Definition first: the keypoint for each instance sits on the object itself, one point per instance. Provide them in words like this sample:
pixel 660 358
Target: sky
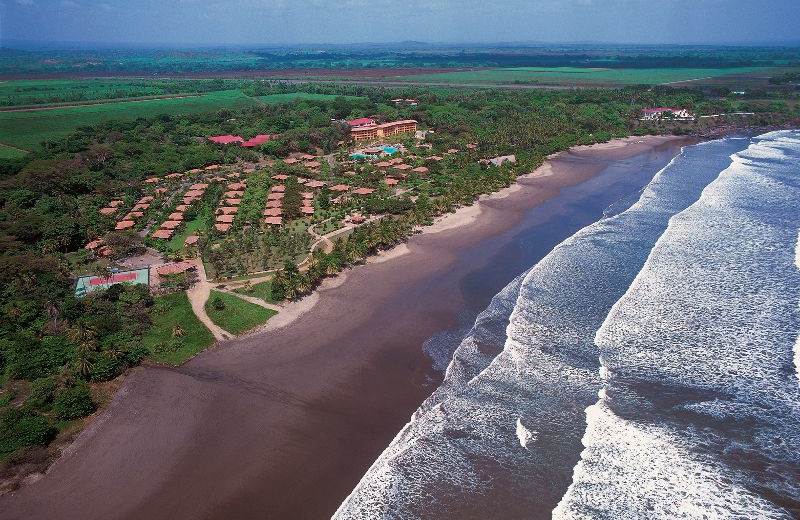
pixel 248 22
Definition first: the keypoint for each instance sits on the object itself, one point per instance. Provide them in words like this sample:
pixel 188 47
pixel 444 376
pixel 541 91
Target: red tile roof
pixel 363 191
pixel 275 221
pixel 260 139
pixel 176 216
pixel 222 227
pixel 340 187
pixel 308 210
pixel 170 224
pixel 124 224
pixel 273 212
pixel 175 267
pixel 277 203
pixel 225 219
pixel 226 139
pixel 191 240
pixel 275 196
pixel 233 202
pixel 361 121
pixel 163 234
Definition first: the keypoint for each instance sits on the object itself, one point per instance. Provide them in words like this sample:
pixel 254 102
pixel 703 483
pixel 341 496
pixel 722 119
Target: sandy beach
pixel 282 423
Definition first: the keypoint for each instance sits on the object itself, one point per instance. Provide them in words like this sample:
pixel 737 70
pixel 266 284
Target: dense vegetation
pixel 52 345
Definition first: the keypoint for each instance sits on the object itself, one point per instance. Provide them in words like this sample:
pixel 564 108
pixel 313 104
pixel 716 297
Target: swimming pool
pixel 389 149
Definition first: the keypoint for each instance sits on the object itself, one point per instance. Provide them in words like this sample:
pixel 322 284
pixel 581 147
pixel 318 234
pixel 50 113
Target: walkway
pixel 198 296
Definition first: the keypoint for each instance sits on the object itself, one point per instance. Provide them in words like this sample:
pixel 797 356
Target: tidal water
pixel 646 367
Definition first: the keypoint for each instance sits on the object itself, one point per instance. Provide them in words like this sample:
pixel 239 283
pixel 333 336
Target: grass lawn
pixel 577 75
pixel 28 129
pixel 261 290
pixel 292 96
pixel 170 310
pixel 176 242
pixel 238 316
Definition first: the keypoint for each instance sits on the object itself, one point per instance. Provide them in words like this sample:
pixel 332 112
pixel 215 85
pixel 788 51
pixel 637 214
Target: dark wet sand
pixel 283 424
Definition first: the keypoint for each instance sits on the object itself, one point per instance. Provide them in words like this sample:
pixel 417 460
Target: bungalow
pixel 181 207
pixel 175 267
pixel 391 182
pixel 307 210
pixel 233 202
pixel 107 211
pixel 225 219
pixel 124 224
pixel 190 240
pixel 222 227
pixel 421 169
pixel 340 187
pixel 228 210
pixel 273 221
pixel 234 194
pixel 315 184
pixel 259 140
pixel 176 216
pixel 307 157
pixel 291 160
pixel 363 191
pixel 276 203
pixel 313 165
pixel 198 186
pixel 307 195
pixel 171 224
pixel 275 196
pixel 163 234
pixel 278 188
pixel 280 177
pixel 115 203
pixel 237 186
pixel 273 212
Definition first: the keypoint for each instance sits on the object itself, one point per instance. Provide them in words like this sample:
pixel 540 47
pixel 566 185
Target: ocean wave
pixel 701 407
pixel 502 434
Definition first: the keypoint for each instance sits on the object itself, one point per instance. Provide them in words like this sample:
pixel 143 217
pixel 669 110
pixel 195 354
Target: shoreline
pixel 283 408
pixel 466 215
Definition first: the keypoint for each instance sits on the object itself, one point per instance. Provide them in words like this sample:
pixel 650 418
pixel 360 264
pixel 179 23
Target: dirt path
pixel 253 300
pixel 198 296
pixel 15 148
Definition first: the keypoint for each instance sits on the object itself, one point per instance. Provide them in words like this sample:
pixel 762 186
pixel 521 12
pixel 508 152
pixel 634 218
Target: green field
pixel 28 129
pixel 238 316
pixel 293 96
pixel 576 75
pixel 10 153
pixel 36 91
pixel 176 242
pixel 261 290
pixel 170 310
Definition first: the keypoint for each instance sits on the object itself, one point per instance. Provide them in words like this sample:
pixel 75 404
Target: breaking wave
pixel 677 312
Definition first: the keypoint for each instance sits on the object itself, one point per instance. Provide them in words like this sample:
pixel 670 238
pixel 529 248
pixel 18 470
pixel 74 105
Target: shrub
pixel 217 304
pixel 42 392
pixel 73 402
pixel 105 368
pixel 20 427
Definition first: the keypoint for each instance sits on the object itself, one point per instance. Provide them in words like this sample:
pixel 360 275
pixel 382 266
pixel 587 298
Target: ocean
pixel 646 367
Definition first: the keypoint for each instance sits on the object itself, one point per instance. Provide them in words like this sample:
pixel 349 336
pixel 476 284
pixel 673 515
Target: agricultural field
pixel 293 96
pixel 28 129
pixel 10 153
pixel 579 76
pixel 65 91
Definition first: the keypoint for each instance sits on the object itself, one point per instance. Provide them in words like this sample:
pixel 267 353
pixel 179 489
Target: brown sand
pixel 283 424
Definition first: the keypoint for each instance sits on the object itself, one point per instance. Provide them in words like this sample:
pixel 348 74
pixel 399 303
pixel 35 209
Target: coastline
pixel 261 421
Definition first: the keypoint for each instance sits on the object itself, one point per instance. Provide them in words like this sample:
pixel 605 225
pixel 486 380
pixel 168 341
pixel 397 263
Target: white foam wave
pixel 697 399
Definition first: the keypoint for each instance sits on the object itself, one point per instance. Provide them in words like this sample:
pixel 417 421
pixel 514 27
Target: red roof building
pixel 233 202
pixel 361 121
pixel 275 196
pixel 176 216
pixel 307 210
pixel 222 227
pixel 171 224
pixel 273 212
pixel 340 187
pixel 226 139
pixel 164 234
pixel 124 224
pixel 363 191
pixel 260 139
pixel 233 194
pixel 273 221
pixel 228 210
pixel 277 203
pixel 191 240
pixel 225 219
pixel 280 177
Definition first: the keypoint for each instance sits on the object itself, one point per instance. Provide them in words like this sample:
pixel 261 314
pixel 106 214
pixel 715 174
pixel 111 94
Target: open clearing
pixel 164 346
pixel 28 130
pixel 578 76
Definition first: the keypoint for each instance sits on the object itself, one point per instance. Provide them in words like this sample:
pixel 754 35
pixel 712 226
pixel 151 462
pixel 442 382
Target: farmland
pixel 579 76
pixel 293 96
pixel 29 129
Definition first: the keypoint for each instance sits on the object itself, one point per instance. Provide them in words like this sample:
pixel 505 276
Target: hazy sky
pixel 199 22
